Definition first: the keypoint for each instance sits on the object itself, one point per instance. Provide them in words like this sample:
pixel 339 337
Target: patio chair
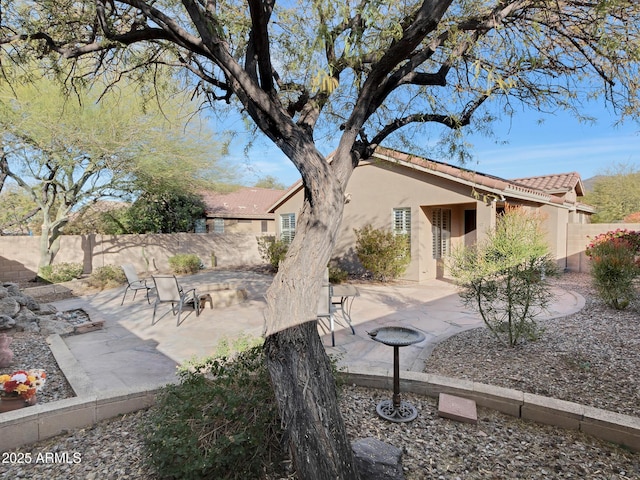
pixel 168 290
pixel 134 283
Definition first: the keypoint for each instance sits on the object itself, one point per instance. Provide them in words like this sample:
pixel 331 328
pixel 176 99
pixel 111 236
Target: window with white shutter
pixel 441 232
pixel 287 227
pixel 402 222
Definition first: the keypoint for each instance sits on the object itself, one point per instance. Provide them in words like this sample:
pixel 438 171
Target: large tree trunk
pixel 298 364
pixel 50 241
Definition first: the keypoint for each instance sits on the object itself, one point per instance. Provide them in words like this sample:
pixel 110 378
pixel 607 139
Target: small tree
pixel 385 254
pixel 614 267
pixel 504 277
pixel 164 212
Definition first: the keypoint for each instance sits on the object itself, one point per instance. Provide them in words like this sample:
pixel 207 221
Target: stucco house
pixel 439 206
pixel 245 210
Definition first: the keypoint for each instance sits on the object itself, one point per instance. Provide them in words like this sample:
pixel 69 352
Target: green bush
pixel 109 276
pixel 272 250
pixel 337 275
pixel 614 269
pixel 504 278
pixel 185 263
pixel 221 421
pixel 61 272
pixel 385 254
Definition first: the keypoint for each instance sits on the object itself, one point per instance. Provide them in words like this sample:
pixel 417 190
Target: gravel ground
pixel 590 357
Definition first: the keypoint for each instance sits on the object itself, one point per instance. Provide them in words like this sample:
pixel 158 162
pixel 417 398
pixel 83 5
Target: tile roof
pixel 247 202
pixel 491 184
pixel 552 184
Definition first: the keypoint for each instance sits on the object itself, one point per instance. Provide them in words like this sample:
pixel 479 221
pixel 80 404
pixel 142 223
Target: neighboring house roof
pixel 487 184
pixel 245 203
pixel 554 184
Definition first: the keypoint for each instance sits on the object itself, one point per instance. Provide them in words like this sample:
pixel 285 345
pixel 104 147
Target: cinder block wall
pixel 580 235
pixel 19 255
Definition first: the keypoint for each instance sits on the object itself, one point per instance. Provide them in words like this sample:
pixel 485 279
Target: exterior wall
pixel 555 223
pixel 376 189
pixel 255 226
pixel 19 255
pixel 579 236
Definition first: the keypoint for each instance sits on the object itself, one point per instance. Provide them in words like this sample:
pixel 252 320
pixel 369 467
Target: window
pixel 402 222
pixel 218 225
pixel 441 232
pixel 264 226
pixel 200 225
pixel 287 227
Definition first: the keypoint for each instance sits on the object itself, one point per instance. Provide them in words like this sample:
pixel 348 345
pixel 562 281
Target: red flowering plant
pixel 621 238
pixel 22 383
pixel 615 266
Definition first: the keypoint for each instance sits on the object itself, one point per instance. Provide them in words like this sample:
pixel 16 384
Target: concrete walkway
pixel 130 352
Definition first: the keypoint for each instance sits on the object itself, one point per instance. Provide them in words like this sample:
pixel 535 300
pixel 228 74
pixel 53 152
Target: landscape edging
pixel 43 421
pixel 609 426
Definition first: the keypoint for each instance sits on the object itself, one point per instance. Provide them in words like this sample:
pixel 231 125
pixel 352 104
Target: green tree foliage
pixel 66 148
pixel 271 183
pixel 383 253
pixel 107 218
pixel 352 75
pixel 166 212
pixel 504 276
pixel 615 194
pixel 19 214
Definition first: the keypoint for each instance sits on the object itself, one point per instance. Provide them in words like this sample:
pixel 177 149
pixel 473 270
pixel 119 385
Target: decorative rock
pixel 12 288
pixel 25 315
pixel 47 309
pixel 9 306
pixel 6 355
pixel 377 460
pixel 4 292
pixel 6 322
pixel 27 301
pixel 49 326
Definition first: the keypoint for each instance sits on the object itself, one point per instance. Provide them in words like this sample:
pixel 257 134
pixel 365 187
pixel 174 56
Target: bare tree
pixel 361 72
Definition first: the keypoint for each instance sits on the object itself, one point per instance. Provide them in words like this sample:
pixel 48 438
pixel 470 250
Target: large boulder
pixel 9 306
pixel 6 322
pixel 3 292
pixel 26 321
pixel 12 288
pixel 49 326
pixel 377 460
pixel 28 301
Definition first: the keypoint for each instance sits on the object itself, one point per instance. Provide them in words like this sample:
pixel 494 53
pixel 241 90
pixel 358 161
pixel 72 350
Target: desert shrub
pixel 61 272
pixel 272 250
pixel 504 278
pixel 185 263
pixel 108 276
pixel 615 266
pixel 336 274
pixel 220 421
pixel 385 254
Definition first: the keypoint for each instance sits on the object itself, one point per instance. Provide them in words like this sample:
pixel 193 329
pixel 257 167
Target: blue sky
pixel 524 146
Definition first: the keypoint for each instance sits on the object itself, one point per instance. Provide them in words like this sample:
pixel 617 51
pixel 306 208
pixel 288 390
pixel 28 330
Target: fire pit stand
pixel 396 410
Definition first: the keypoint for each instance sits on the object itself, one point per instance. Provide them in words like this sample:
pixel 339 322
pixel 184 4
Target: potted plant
pixel 19 389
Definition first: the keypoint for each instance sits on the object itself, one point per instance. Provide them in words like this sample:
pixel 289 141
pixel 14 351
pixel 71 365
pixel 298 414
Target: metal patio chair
pixel 168 290
pixel 134 283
